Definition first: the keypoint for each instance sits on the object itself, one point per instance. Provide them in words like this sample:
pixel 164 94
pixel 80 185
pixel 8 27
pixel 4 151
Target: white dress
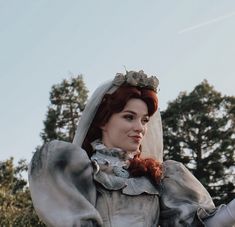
pixel 70 189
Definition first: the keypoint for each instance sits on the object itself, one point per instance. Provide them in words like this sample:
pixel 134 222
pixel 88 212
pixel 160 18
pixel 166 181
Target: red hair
pixel 115 103
pixel 146 167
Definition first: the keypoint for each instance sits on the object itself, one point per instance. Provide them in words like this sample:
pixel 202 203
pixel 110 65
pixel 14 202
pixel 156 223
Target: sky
pixel 42 42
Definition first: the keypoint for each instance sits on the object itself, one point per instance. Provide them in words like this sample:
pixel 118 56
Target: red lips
pixel 136 138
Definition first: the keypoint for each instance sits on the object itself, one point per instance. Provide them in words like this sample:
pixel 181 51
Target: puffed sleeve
pixel 225 216
pixel 184 201
pixel 62 187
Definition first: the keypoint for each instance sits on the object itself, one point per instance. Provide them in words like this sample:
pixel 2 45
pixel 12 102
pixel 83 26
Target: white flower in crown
pixel 119 79
pixel 153 83
pixel 142 79
pixel 136 79
pixel 132 78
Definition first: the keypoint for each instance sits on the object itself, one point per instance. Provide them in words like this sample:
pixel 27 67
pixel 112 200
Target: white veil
pixel 152 145
pixel 57 169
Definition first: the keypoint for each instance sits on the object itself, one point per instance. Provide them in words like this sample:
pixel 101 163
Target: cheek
pixel 123 130
pixel 127 127
pixel 123 125
pixel 145 129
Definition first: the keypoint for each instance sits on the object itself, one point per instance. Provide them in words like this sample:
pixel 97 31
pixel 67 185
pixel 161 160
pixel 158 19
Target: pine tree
pixel 16 209
pixel 67 101
pixel 199 131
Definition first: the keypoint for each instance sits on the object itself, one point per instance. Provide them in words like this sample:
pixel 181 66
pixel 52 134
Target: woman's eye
pixel 129 117
pixel 145 120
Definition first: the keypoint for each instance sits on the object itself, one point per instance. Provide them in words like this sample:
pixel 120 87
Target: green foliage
pixel 67 101
pixel 16 209
pixel 199 132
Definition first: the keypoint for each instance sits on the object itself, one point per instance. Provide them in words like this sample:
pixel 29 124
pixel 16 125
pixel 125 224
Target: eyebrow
pixel 132 112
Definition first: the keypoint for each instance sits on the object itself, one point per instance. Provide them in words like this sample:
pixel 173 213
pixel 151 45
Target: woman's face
pixel 127 128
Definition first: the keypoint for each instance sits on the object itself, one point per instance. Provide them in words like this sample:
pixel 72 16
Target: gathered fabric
pixel 70 189
pixel 111 171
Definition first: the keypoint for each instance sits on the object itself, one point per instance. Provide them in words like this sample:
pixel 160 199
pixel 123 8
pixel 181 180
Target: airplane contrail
pixel 206 23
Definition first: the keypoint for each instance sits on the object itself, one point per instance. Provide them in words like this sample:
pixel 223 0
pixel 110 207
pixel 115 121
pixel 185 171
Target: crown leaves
pixel 136 79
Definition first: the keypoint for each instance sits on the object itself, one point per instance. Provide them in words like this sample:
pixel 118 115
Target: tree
pixel 67 101
pixel 16 207
pixel 199 132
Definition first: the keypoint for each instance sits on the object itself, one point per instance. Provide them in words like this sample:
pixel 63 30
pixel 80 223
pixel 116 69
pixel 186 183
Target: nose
pixel 139 127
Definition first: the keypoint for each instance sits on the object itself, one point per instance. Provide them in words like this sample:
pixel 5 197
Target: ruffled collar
pixel 111 171
pixel 115 159
pixel 99 147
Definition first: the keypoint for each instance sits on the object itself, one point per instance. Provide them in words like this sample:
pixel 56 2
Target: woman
pixel 112 174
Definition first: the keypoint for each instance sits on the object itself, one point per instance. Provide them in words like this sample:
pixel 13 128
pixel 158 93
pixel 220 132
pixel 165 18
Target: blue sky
pixel 42 42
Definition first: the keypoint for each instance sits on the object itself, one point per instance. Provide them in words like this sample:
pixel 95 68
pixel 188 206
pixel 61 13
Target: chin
pixel 132 149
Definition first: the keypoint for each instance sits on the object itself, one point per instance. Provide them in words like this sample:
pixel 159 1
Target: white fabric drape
pixel 152 145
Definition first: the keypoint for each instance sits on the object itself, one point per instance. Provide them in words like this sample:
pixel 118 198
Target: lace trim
pixel 110 170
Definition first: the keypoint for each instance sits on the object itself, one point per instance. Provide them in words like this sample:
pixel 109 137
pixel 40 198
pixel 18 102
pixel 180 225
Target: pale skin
pixel 126 129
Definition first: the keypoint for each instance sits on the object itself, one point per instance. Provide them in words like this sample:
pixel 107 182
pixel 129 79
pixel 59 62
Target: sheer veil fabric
pixel 152 145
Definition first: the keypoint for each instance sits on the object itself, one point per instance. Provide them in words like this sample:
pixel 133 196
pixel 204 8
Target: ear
pixel 103 127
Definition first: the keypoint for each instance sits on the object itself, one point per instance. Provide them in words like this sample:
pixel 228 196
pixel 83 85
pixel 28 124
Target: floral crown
pixel 136 79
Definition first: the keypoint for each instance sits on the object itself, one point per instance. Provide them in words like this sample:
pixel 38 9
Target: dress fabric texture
pixel 70 189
